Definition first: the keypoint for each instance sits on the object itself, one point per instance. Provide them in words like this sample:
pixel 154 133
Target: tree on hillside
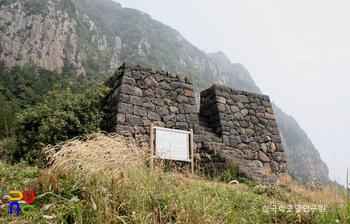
pixel 61 116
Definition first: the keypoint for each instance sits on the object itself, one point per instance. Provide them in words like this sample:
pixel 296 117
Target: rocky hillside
pixel 90 36
pixel 94 36
pixel 238 77
pixel 303 158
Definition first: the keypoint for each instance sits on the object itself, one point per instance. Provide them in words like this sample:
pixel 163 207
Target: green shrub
pixel 61 116
pixel 231 172
pixel 7 146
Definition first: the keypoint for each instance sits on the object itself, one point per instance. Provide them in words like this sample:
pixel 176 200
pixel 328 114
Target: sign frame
pixel 189 145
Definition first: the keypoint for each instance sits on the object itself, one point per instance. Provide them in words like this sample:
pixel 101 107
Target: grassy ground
pixel 102 180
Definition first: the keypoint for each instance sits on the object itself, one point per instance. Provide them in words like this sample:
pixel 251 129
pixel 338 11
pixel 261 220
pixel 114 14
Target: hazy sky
pixel 298 53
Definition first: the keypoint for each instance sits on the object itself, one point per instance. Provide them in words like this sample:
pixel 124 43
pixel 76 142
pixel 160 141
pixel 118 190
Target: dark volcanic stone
pixel 134 120
pixel 123 98
pixel 220 107
pixel 189 109
pixel 194 118
pixel 149 106
pixel 136 74
pixel 254 120
pixel 125 108
pixel 161 111
pixel 174 109
pixel 250 155
pixel 240 98
pixel 274 166
pixel 140 111
pixel 276 138
pixel 181 125
pixel 120 118
pixel 149 93
pixel 170 117
pixel 175 85
pixel 161 93
pixel 279 147
pixel 169 124
pixel 128 81
pixel 239 116
pixel 181 117
pixel 122 129
pixel 173 95
pixel 151 81
pixel 153 116
pixel 254 146
pixel 135 100
pixel 263 157
pixel 129 90
pixel 158 102
pixel 159 77
pixel 279 157
pixel 182 99
pixel 245 138
pixel 235 140
pixel 164 85
pixel 261 109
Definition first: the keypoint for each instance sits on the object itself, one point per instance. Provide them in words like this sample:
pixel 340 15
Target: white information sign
pixel 172 144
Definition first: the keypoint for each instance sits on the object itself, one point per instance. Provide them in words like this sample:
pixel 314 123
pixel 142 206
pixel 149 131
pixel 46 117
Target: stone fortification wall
pixel 232 126
pixel 143 95
pixel 246 132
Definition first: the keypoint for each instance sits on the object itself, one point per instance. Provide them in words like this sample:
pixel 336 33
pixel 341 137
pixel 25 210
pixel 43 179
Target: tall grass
pixel 102 179
pixel 344 210
pixel 347 198
pixel 97 154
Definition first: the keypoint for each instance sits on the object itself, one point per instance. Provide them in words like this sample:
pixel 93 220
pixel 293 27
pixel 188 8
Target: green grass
pixel 103 180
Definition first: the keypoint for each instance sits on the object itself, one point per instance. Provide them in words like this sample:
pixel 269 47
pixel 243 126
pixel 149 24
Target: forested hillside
pixel 26 86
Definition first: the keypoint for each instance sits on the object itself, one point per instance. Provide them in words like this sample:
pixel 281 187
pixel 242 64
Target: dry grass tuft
pixel 326 195
pixel 106 155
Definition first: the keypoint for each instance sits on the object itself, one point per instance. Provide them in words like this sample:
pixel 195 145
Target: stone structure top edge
pixel 129 65
pixel 138 67
pixel 231 90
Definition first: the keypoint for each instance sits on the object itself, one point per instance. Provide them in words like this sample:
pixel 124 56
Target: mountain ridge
pixel 92 36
